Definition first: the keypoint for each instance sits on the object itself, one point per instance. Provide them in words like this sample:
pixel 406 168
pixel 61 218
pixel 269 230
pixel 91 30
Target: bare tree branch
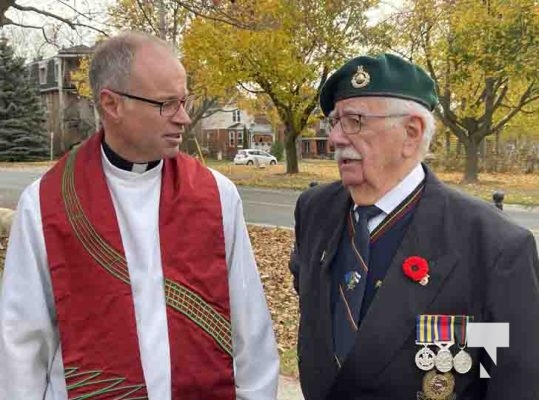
pixel 527 97
pixel 249 90
pixel 45 13
pixel 72 24
pixel 147 17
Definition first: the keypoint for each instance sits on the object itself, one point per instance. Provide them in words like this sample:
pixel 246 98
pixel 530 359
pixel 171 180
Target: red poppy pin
pixel 417 269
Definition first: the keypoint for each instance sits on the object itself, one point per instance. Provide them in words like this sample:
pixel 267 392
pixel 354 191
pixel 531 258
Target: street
pixel 261 206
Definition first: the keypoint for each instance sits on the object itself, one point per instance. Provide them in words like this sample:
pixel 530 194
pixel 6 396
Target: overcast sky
pixel 29 43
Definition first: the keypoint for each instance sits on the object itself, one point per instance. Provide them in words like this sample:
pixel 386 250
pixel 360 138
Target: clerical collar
pixel 122 163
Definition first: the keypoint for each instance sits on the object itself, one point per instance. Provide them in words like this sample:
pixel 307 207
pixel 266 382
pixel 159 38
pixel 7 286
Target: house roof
pixel 80 49
pixel 237 125
pixel 262 129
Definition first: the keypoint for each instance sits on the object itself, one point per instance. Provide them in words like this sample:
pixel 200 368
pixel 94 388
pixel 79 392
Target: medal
pixel 438 386
pixel 438 330
pixel 444 358
pixel 424 358
pixel 462 361
pixel 422 396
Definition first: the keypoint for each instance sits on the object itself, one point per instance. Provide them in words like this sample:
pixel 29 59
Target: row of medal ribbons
pixel 442 332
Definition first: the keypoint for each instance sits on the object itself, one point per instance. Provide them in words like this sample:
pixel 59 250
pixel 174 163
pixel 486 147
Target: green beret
pixel 385 75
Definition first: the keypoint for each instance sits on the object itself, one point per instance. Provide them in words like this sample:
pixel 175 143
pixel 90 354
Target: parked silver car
pixel 254 157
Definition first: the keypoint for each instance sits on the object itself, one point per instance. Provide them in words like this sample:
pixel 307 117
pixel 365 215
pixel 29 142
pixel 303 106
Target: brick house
pixel 230 129
pixel 317 146
pixel 70 118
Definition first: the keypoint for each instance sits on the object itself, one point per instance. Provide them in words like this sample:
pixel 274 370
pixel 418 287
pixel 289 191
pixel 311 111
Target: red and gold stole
pixel 91 285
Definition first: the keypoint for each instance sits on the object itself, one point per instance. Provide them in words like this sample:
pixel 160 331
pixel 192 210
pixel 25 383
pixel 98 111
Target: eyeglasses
pixel 351 123
pixel 167 108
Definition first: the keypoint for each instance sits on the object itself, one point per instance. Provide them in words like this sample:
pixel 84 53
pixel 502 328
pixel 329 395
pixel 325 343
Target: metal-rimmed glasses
pixel 167 108
pixel 351 123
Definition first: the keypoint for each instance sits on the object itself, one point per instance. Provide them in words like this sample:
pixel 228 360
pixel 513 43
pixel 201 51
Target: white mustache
pixel 346 153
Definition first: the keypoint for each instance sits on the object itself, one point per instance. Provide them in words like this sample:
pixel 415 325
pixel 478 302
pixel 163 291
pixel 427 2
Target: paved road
pixel 12 182
pixel 276 207
pixel 261 206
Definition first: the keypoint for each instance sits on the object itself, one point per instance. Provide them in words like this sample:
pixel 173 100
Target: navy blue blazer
pixel 481 264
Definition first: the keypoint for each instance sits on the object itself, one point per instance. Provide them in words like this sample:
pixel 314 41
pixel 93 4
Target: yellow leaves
pixel 284 59
pixel 478 50
pixel 81 79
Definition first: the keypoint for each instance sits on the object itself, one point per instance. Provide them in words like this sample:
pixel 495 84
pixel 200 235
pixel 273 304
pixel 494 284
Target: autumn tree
pixel 482 54
pixel 288 58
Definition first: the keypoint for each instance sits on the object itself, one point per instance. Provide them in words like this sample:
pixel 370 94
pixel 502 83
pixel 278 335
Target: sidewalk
pixel 289 389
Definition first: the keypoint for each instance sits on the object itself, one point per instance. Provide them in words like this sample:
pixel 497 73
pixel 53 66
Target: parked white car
pixel 254 157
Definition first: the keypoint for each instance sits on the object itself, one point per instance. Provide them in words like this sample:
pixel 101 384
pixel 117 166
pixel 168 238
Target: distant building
pixel 69 117
pixel 317 146
pixel 228 129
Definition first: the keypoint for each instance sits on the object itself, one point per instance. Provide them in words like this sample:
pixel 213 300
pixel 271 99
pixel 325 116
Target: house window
pixel 56 71
pixel 236 116
pixel 42 73
pixel 240 139
pixel 231 137
pixel 306 146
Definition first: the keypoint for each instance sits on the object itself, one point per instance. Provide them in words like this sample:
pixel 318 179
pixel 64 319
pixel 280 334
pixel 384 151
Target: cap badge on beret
pixel 361 78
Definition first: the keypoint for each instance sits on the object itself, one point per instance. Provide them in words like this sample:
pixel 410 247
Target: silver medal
pixel 444 360
pixel 462 362
pixel 424 359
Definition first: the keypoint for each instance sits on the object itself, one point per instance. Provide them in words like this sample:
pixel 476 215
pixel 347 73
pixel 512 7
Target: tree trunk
pixel 291 153
pixel 471 170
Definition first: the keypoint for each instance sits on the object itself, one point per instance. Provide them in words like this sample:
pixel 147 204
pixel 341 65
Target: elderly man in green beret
pixel 397 273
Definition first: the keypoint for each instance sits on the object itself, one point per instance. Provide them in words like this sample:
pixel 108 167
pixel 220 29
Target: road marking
pixel 263 203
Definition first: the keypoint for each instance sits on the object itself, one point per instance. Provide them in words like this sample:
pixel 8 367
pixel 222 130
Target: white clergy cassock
pixel 31 364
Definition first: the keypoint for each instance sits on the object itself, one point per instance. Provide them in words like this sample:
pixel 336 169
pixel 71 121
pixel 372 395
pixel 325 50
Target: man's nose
pixel 181 117
pixel 337 137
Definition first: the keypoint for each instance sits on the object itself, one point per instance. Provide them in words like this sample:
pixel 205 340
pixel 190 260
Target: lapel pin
pixel 352 278
pixel 322 259
pixel 417 269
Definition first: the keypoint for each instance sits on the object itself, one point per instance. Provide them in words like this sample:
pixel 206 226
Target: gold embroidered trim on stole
pixel 103 386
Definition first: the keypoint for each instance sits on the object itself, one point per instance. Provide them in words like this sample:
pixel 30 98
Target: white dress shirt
pixel 391 200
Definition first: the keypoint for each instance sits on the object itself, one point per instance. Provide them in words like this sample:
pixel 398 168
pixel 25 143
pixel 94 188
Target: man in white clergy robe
pixel 115 227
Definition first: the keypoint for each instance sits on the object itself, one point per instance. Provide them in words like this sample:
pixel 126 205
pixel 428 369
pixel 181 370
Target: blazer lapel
pixel 391 317
pixel 338 208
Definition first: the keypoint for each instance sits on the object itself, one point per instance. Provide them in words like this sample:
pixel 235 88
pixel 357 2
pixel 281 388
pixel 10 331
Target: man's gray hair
pixel 112 61
pixel 397 106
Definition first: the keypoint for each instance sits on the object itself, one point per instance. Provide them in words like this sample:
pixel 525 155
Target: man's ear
pixel 111 104
pixel 415 129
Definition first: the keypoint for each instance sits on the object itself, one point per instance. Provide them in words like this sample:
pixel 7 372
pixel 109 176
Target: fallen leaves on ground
pixel 272 251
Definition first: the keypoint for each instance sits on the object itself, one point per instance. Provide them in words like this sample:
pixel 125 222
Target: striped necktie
pixel 352 286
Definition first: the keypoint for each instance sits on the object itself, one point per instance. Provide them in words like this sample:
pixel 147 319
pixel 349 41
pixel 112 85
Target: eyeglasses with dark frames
pixel 351 123
pixel 167 108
